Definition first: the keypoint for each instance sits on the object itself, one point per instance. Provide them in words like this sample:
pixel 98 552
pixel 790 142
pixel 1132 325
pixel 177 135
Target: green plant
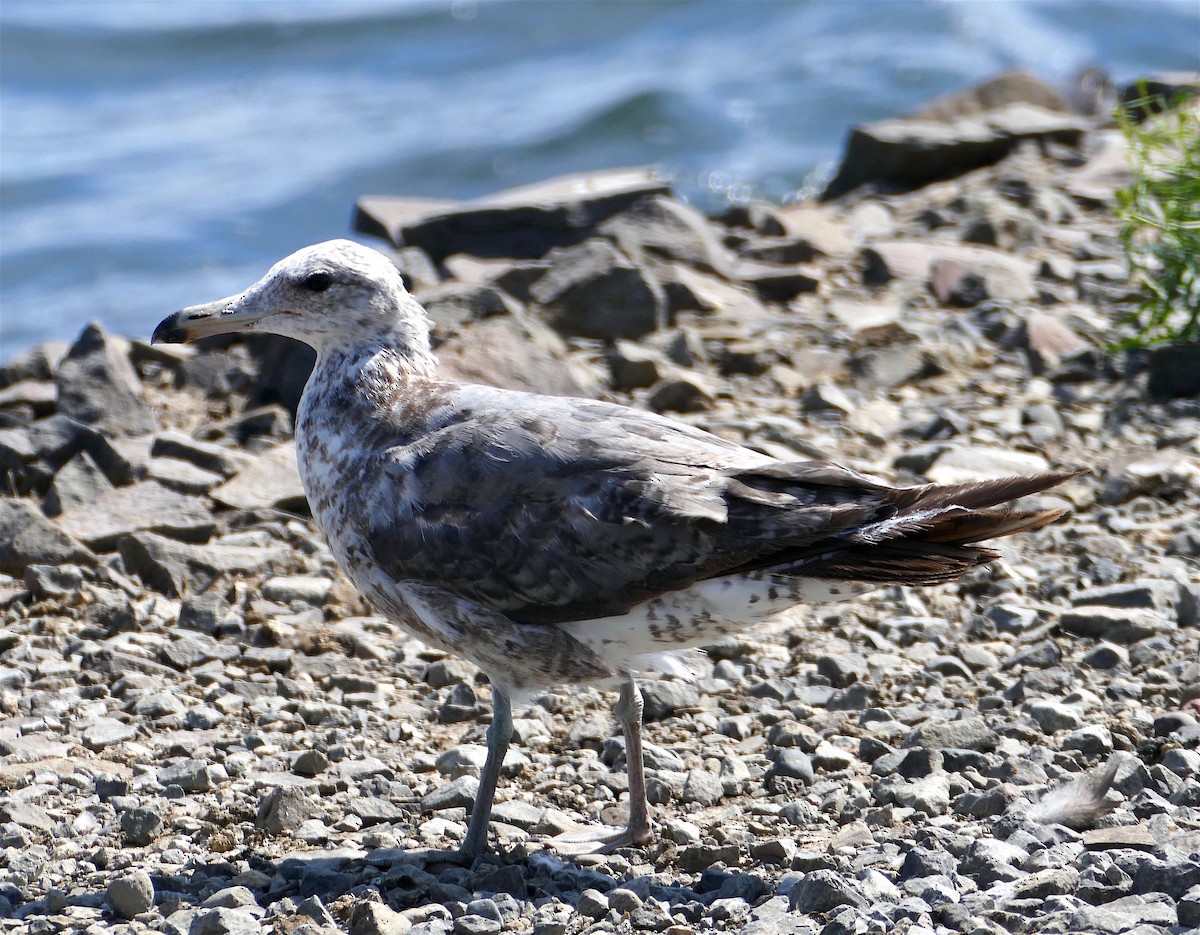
pixel 1160 220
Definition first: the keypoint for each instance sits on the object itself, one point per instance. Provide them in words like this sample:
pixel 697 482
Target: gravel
pixel 205 731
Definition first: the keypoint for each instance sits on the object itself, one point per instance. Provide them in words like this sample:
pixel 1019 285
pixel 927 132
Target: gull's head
pixel 332 294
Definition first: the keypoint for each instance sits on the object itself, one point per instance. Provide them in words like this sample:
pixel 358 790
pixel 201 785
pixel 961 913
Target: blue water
pixel 158 154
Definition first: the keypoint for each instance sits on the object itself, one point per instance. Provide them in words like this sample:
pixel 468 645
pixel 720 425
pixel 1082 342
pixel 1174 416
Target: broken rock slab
pixel 960 464
pixel 98 386
pixel 671 230
pixel 146 506
pixel 521 223
pixel 949 139
pixel 271 480
pixel 956 274
pixel 515 352
pixel 594 291
pixel 28 538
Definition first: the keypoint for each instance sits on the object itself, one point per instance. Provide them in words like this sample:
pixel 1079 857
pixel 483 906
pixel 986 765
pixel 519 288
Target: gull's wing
pixel 551 510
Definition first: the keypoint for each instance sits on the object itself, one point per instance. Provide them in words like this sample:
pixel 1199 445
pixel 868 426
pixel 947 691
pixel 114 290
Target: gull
pixel 556 541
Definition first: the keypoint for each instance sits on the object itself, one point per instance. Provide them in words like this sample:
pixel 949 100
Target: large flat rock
pixel 146 506
pixel 975 128
pixel 272 480
pixel 520 223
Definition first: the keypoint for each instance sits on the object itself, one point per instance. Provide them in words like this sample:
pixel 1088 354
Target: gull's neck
pixel 368 378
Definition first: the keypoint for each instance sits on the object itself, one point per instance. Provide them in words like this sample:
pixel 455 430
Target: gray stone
pixel 166 565
pixel 132 894
pixel 825 397
pixel 1009 618
pixel 222 921
pixel 594 291
pixel 1188 907
pixel 143 507
pixel 284 808
pixel 182 476
pixel 232 897
pixel 516 352
pixel 668 229
pixel 1114 624
pixel 374 811
pixel 158 704
pixel 1106 656
pixel 458 793
pixel 690 290
pixel 471 924
pixel 633 366
pixel 968 733
pixel 683 392
pixel 778 283
pixel 592 903
pixel 959 464
pixel 899 364
pixel 521 223
pixel 204 612
pixel 463 760
pixel 140 826
pixel 97 386
pixel 76 483
pixel 822 891
pixel 989 861
pixel 189 649
pixel 702 788
pixel 190 775
pixel 28 538
pixel 54 581
pixel 909 152
pixel 1169 598
pixel 700 857
pixel 1053 716
pixel 37 363
pixel 664 697
pixel 930 794
pixel 307 589
pixel 106 732
pixel 217 459
pixel 310 763
pixel 271 480
pixel 1094 740
pixel 453 304
pixel 860 316
pixel 624 900
pixel 27 815
pixel 372 918
pixel 1124 836
pixel 57 439
pixel 791 771
pixel 843 669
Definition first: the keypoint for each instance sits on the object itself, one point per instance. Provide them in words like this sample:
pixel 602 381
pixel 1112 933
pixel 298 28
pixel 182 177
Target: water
pixel 159 154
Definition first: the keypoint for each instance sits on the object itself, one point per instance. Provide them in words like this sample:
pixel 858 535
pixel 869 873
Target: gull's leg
pixel 629 713
pixel 586 840
pixel 498 735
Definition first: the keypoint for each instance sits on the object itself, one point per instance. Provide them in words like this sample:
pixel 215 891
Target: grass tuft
pixel 1160 220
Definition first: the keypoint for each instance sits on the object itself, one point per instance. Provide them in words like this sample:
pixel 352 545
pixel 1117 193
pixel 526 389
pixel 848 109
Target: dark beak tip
pixel 169 331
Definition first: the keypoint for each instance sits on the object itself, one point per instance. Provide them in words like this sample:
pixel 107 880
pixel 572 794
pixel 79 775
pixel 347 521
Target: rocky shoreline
pixel 203 729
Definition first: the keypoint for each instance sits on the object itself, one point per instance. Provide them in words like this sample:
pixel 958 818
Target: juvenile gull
pixel 561 541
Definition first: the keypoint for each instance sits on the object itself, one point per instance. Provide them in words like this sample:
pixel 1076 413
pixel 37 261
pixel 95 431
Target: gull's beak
pixel 199 321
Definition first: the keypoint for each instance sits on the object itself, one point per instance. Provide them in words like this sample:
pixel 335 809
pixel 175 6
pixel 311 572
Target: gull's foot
pixel 598 839
pixel 431 855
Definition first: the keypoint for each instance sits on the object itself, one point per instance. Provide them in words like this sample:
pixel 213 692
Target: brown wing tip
pixel 1045 518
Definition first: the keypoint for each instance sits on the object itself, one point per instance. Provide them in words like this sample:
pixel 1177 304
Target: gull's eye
pixel 316 282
